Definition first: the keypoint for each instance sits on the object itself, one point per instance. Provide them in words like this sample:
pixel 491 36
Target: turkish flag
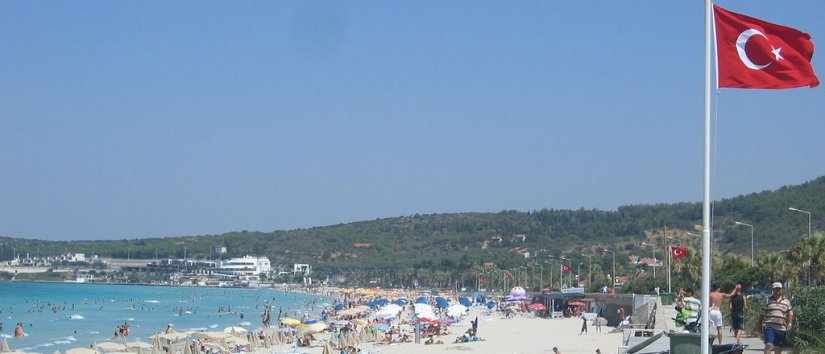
pixel 565 268
pixel 752 53
pixel 677 252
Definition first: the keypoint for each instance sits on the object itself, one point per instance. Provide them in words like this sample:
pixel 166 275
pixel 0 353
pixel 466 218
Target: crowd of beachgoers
pixel 343 321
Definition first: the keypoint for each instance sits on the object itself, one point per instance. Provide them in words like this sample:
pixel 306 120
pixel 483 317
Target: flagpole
pixel 706 230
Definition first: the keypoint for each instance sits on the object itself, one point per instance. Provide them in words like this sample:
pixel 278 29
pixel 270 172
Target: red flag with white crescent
pixel 565 268
pixel 678 252
pixel 752 53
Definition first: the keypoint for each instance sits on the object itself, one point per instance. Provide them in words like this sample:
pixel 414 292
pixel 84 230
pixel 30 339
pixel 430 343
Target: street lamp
pixel 809 218
pixel 613 277
pixel 669 262
pixel 810 266
pixel 752 242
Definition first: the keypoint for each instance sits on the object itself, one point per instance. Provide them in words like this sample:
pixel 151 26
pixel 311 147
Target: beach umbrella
pixel 235 330
pixel 537 307
pixel 491 304
pixel 518 291
pixel 456 310
pixel 313 328
pixel 378 303
pixel 388 311
pixel 400 302
pixel 421 300
pixel 291 322
pixel 339 307
pixel 465 301
pixel 442 302
pixel 81 351
pixel 423 308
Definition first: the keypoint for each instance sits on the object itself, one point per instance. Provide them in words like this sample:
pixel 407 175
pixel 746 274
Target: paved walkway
pixel 664 320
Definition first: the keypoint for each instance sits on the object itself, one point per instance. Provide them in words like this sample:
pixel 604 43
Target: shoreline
pixel 283 288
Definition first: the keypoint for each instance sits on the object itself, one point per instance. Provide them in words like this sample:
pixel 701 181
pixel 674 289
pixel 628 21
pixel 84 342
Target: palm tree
pixel 773 266
pixel 808 259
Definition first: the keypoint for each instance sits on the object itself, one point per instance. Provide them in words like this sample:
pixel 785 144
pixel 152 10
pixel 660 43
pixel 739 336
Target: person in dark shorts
pixel 777 320
pixel 738 303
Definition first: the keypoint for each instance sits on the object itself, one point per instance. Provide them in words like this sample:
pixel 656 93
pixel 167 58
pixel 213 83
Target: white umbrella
pixel 235 330
pixel 423 308
pixel 456 310
pixel 389 311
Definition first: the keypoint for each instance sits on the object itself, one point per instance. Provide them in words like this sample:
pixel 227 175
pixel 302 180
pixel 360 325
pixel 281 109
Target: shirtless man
pixel 715 315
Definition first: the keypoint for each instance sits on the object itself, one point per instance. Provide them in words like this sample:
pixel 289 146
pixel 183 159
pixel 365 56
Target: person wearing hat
pixel 777 320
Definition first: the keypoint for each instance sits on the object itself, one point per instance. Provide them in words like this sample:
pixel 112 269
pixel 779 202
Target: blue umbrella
pixel 378 303
pixel 465 301
pixel 310 321
pixel 442 302
pixel 400 302
pixel 491 304
pixel 421 300
pixel 339 307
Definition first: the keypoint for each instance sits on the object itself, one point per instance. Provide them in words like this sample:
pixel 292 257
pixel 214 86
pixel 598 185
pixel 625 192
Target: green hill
pixel 462 240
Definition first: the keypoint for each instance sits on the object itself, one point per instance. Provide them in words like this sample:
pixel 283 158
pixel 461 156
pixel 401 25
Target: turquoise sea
pixel 59 316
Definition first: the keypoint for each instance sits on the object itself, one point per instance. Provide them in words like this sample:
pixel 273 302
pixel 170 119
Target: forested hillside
pixel 462 240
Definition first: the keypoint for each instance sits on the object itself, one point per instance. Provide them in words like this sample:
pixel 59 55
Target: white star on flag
pixel 776 53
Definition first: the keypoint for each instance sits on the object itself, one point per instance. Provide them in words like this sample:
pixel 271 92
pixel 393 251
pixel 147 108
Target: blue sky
pixel 132 119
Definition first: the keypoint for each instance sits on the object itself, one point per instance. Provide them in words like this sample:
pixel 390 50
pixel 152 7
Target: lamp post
pixel 753 247
pixel 810 266
pixel 809 218
pixel 669 262
pixel 589 270
pixel 613 276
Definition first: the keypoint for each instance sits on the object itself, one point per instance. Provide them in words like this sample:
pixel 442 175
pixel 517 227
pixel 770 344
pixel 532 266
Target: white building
pixel 246 266
pixel 303 269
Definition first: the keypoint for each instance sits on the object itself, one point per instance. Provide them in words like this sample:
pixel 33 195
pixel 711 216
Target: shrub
pixel 809 308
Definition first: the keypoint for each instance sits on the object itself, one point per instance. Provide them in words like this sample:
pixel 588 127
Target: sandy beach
pixel 519 336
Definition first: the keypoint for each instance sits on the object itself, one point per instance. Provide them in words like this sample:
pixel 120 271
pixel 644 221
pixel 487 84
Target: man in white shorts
pixel 715 314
